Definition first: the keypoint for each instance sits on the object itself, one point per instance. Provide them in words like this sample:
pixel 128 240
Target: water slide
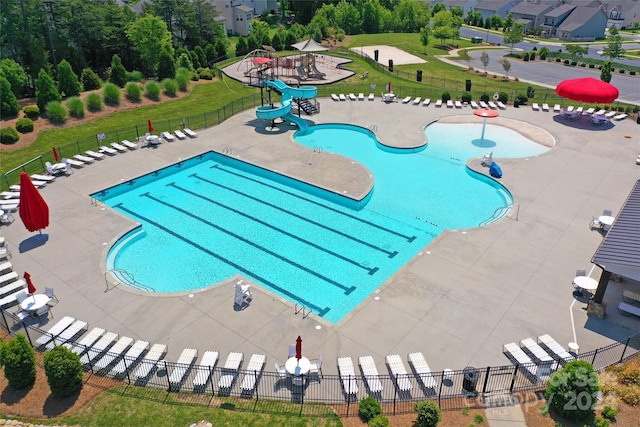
pixel 268 112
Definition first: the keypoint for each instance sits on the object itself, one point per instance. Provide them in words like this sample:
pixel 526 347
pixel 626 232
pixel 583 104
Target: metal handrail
pixel 126 278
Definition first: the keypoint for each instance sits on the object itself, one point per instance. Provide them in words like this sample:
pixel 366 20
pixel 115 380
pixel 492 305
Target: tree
pixel 260 31
pixel 241 47
pixel 149 36
pixel 348 18
pixel 90 79
pixel 68 83
pixel 613 49
pixel 19 361
pixel 64 371
pixel 506 65
pixel 15 74
pixel 514 34
pixel 46 90
pixel 372 17
pixel 8 102
pixel 185 62
pixel 409 16
pixel 425 32
pixel 576 50
pixel 118 74
pixel 210 53
pixel 464 55
pixel 429 414
pixel 442 33
pixel 203 58
pixel 221 49
pixel 605 72
pixel 167 65
pixel 573 391
pixel 484 58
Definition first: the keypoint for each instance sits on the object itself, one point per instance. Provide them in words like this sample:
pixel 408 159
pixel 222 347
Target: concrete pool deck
pixel 458 301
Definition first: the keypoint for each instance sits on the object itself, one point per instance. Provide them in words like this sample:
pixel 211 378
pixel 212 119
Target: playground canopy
pixel 309 46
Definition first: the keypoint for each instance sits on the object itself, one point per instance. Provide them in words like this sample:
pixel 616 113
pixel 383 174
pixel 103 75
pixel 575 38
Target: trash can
pixel 470 380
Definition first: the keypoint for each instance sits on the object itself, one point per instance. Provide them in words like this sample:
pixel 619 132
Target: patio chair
pixel 230 370
pixel 316 366
pixel 292 351
pixel 99 347
pixel 335 97
pixel 281 371
pixel 108 150
pixel 426 102
pixel 52 296
pixel 72 163
pixel 114 353
pixel 518 357
pixel 43 311
pixel 150 361
pixel 130 145
pixel 179 134
pixel 190 133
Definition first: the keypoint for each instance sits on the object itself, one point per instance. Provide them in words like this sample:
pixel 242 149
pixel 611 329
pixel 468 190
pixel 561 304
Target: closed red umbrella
pixel 299 348
pixel 150 126
pixel 30 288
pixel 56 155
pixel 588 89
pixel 34 211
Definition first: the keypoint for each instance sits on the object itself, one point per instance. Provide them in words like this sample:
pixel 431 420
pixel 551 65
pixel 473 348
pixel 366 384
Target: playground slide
pixel 315 70
pixel 268 112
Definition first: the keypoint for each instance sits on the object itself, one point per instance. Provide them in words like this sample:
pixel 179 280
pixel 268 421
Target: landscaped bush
pixel 31 111
pixel 133 91
pixel 601 422
pixel 56 112
pixel 532 56
pixel 566 62
pixel 369 408
pixel 446 96
pixel 573 391
pixel 503 97
pixel 152 90
pixel 583 65
pixel 379 421
pixel 526 56
pixel 19 361
pixel 592 66
pixel 622 71
pixel 574 63
pixel 466 97
pixel 8 136
pixel 429 414
pixel 558 60
pixel 543 56
pixel 521 98
pixel 485 97
pixel 90 80
pixel 630 395
pixel 633 73
pixel 609 412
pixel 64 371
pixel 9 105
pixel 134 76
pixel 75 106
pixel 111 93
pixel 170 87
pixel 24 125
pixel 182 78
pixel 94 102
pixel 206 74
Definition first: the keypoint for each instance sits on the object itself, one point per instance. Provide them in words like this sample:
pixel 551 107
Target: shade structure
pixel 261 60
pixel 587 89
pixel 485 113
pixel 298 348
pixel 150 126
pixel 56 155
pixel 309 45
pixel 30 287
pixel 34 211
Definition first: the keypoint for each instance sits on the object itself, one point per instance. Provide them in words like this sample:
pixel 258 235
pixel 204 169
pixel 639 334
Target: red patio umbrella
pixel 299 348
pixel 56 155
pixel 587 89
pixel 30 288
pixel 34 211
pixel 484 113
pixel 150 126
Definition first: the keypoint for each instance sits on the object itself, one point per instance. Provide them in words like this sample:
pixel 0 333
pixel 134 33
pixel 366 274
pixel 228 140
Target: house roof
pixel 560 10
pixel 619 251
pixel 526 8
pixel 492 5
pixel 578 18
pixel 243 8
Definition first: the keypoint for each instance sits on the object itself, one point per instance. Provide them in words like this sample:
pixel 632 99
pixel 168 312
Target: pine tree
pixel 166 65
pixel 68 83
pixel 8 102
pixel 46 90
pixel 118 74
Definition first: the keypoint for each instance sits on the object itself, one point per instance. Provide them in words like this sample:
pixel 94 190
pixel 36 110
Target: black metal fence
pixel 452 389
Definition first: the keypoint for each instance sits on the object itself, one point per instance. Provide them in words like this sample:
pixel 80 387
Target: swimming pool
pixel 211 217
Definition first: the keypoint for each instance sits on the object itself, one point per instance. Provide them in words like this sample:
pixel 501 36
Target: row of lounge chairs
pixel 537 358
pixel 352 97
pixel 13 290
pixel 572 111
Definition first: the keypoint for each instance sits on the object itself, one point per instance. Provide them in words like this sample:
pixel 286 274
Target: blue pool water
pixel 210 217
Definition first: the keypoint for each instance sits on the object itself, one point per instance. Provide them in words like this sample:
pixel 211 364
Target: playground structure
pixel 288 96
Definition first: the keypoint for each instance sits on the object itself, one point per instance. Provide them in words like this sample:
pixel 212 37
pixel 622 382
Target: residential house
pixel 583 24
pixel 554 18
pixel 237 16
pixel 623 14
pixel 531 14
pixel 465 5
pixel 495 7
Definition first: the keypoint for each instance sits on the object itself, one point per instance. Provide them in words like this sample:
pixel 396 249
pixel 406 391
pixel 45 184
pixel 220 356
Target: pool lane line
pixel 333 230
pixel 370 271
pixel 320 311
pixel 347 289
pixel 364 221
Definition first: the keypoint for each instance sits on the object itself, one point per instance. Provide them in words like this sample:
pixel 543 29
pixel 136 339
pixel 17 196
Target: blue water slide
pixel 295 92
pixel 299 121
pixel 270 112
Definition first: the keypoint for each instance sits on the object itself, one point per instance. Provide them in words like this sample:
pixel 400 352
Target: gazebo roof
pixel 309 46
pixel 619 251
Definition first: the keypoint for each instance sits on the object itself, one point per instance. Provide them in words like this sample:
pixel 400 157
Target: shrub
pixel 118 74
pixel 152 90
pixel 379 421
pixel 8 102
pixel 64 371
pixel 56 112
pixel 134 76
pixel 521 98
pixel 574 63
pixel 484 97
pixel 68 83
pixel 182 78
pixel 609 412
pixel 526 56
pixel 32 111
pixel 75 106
pixel 428 413
pixel 531 92
pixel 24 125
pixel 466 97
pixel 622 71
pixel 94 102
pixel 8 136
pixel 369 408
pixel 532 56
pixel 111 94
pixel 573 391
pixel 633 73
pixel 503 97
pixel 46 90
pixel 543 56
pixel 592 66
pixel 170 87
pixel 629 374
pixel 601 422
pixel 133 91
pixel 582 64
pixel 630 395
pixel 479 419
pixel 90 80
pixel 566 62
pixel 446 96
pixel 19 361
pixel 206 74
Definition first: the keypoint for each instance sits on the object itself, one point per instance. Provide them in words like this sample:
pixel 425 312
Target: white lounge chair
pixel 98 348
pixel 37 184
pixel 628 309
pixel 11 287
pixel 95 155
pixel 119 147
pixel 254 370
pixel 114 353
pixel 347 376
pixel 579 110
pixel 535 106
pixel 84 159
pixel 130 145
pixel 68 334
pixel 570 108
pixel 555 349
pixel 620 116
pixel 371 96
pixel 600 112
pixel 55 330
pixel 179 134
pixel 75 163
pixel 492 105
pixel 342 97
pixel 47 178
pixel 398 372
pixel 86 341
pixel 335 97
pixel 185 362
pixel 9 277
pixel 167 136
pixel 557 108
pixel 449 103
pixel 439 103
pixel 108 150
pixel 421 368
pixel 483 104
pixel 458 104
pixel 545 107
pixel 426 102
pixel 150 361
pixel 6 267
pixel 352 96
pixel 13 298
pixel 361 96
pixel 416 101
pixel 590 111
pixel 230 370
pixel 190 133
pixel 130 357
pixel 406 100
pixel 10 194
pixel 501 105
pixel 539 354
pixel 204 370
pixel 474 104
pixel 519 357
pixel 370 374
pixel 57 169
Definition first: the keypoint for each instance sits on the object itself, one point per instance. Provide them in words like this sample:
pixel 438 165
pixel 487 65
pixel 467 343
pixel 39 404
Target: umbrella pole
pixel 484 124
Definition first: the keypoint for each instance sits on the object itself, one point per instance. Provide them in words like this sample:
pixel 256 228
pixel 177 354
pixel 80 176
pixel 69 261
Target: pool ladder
pixel 122 276
pixel 227 151
pixel 316 149
pixel 498 213
pixel 373 127
pixel 301 308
